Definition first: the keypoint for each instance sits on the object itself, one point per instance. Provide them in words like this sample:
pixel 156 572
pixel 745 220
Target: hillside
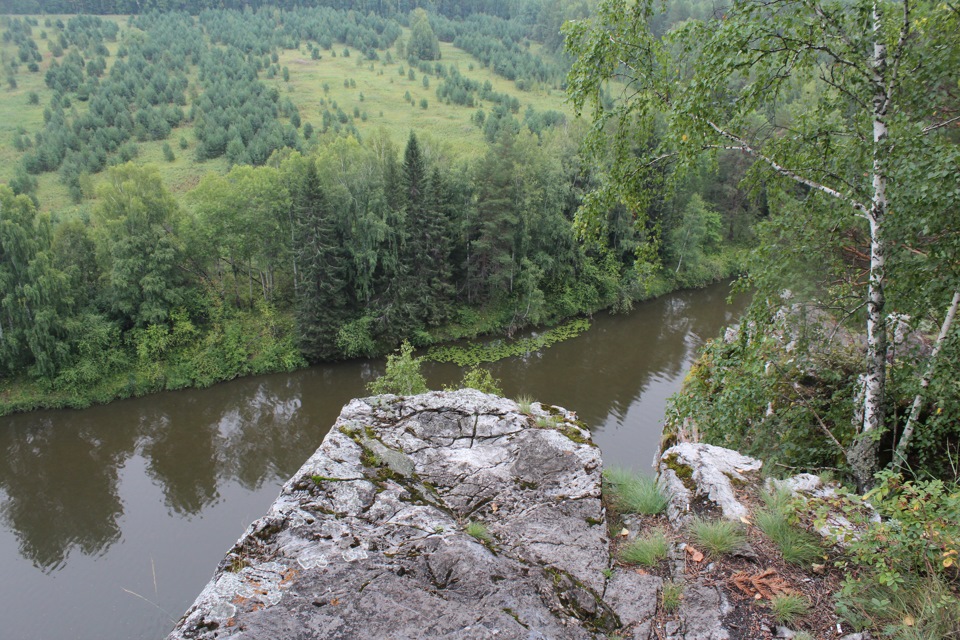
pixel 375 99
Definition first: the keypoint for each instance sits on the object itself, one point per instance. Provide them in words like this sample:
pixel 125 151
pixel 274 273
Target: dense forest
pixel 284 221
pixel 315 241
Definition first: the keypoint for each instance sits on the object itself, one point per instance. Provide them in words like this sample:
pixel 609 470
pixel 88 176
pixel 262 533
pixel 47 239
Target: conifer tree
pixel 322 300
pixel 492 256
pixel 424 266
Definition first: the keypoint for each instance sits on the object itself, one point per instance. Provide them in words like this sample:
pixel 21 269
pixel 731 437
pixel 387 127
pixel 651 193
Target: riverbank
pixel 237 344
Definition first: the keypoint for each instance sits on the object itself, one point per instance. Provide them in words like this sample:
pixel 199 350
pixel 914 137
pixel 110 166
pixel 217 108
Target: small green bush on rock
pixel 719 537
pixel 403 376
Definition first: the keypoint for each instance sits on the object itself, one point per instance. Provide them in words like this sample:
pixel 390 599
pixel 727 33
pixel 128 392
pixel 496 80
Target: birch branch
pixel 741 145
pixel 934 127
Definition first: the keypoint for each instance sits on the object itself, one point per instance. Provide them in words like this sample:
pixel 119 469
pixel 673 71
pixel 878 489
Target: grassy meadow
pixel 378 91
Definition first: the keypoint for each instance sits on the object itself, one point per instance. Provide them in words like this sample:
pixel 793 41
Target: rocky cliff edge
pixel 459 515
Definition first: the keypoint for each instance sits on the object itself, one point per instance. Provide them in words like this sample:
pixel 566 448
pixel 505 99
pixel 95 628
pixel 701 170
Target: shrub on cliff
pixel 403 376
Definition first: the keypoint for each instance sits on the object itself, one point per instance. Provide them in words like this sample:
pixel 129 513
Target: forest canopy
pixel 295 231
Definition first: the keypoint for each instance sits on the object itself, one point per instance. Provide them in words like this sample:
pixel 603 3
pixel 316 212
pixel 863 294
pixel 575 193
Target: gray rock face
pixel 371 538
pixel 702 614
pixel 708 474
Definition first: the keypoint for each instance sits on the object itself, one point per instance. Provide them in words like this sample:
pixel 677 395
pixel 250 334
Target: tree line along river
pixel 113 518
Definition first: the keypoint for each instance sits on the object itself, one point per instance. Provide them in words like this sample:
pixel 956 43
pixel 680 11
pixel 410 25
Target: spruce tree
pixel 492 261
pixel 424 268
pixel 322 300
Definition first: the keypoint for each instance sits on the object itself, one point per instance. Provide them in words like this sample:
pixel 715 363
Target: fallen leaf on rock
pixel 745 520
pixel 694 554
pixel 765 584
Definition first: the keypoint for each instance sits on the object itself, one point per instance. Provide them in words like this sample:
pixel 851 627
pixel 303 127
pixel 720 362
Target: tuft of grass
pixel 549 422
pixel 670 596
pixel 803 635
pixel 796 545
pixel 633 493
pixel 778 500
pixel 717 536
pixel 647 551
pixel 479 531
pixel 788 608
pixel 525 403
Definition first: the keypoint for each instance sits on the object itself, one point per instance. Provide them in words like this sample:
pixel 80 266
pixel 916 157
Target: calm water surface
pixel 113 518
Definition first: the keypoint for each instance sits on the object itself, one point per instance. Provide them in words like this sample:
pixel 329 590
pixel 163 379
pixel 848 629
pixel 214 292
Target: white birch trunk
pixel 863 456
pixel 901 455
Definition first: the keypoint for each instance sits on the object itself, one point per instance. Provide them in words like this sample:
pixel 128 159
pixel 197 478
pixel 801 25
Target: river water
pixel 113 518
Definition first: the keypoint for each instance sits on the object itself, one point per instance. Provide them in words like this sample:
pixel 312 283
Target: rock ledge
pixel 444 515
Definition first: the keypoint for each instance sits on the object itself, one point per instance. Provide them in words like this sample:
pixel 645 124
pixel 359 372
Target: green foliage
pixel 796 545
pixel 671 594
pixel 423 44
pixel 475 354
pixel 634 493
pixel 432 245
pixel 719 537
pixel 138 247
pixel 355 338
pixel 548 422
pixel 748 394
pixel 693 241
pixel 831 156
pixel 920 608
pixel 920 531
pixel 402 376
pixel 788 608
pixel 34 294
pixel 481 379
pixel 648 550
pixel 479 531
pixel 322 298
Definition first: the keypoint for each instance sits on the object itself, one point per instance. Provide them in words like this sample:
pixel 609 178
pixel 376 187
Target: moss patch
pixel 683 471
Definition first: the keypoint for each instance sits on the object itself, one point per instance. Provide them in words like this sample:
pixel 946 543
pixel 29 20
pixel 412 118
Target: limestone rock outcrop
pixel 444 515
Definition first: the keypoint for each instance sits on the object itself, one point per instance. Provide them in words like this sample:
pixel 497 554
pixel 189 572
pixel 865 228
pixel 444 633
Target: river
pixel 113 518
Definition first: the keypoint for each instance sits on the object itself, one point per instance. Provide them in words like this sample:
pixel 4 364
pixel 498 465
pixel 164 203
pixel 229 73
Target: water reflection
pixel 60 470
pixel 61 487
pixel 147 494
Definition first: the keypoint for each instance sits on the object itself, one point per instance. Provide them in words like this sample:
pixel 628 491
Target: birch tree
pixel 874 82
